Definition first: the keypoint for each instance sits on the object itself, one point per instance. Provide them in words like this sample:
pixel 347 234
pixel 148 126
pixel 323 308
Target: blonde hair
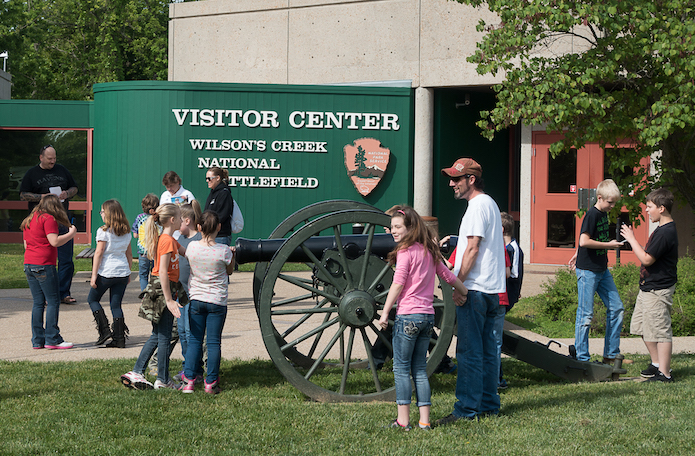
pixel 191 211
pixel 163 216
pixel 114 218
pixel 48 204
pixel 607 189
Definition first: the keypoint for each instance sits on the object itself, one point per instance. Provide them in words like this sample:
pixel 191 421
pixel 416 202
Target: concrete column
pixel 423 154
pixel 5 85
pixel 527 153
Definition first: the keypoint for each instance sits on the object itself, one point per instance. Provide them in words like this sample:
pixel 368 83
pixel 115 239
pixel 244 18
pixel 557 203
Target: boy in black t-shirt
pixel 658 276
pixel 593 276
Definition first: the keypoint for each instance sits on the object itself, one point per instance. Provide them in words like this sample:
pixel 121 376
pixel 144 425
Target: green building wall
pixel 137 139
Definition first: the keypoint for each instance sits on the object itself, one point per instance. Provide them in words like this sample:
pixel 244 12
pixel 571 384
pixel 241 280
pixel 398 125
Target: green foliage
pixel 605 72
pixel 553 312
pixel 59 48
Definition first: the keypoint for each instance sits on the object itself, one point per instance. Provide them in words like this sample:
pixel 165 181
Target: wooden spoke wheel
pixel 329 316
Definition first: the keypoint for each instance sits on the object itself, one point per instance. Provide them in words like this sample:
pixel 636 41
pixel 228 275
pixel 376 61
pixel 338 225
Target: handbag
pixel 237 219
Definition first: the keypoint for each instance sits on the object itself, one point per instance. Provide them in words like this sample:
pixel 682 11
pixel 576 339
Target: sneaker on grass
pixel 135 381
pixel 158 384
pixel 659 377
pixel 650 371
pixel 187 385
pixel 212 388
pixel 396 425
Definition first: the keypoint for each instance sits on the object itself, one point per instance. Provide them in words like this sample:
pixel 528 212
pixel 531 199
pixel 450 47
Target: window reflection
pixel 19 151
pixel 562 172
pixel 561 229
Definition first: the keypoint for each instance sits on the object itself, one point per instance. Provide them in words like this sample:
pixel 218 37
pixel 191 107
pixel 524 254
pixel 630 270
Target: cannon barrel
pixel 255 250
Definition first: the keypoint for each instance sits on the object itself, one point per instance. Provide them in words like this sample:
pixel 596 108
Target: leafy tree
pixel 60 48
pixel 360 159
pixel 603 72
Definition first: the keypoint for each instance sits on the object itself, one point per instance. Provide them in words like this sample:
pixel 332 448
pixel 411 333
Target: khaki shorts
pixel 652 316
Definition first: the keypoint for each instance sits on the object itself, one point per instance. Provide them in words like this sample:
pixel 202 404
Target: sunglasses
pixel 46 147
pixel 456 179
pixel 208 179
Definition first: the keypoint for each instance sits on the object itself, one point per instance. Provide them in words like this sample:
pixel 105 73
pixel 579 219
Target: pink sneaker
pixel 212 388
pixel 136 381
pixel 187 385
pixel 60 346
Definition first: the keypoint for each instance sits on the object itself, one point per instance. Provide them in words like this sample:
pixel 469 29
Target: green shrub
pixel 558 302
pixel 683 316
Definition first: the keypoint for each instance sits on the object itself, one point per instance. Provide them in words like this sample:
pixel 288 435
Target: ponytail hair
pixel 114 218
pixel 418 232
pixel 48 204
pixel 223 174
pixel 209 222
pixel 162 216
pixel 191 211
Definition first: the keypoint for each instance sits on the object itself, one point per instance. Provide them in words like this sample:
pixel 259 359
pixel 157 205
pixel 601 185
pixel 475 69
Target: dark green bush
pixel 559 300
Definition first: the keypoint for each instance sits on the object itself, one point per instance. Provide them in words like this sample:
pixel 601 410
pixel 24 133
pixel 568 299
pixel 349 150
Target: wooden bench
pixel 87 253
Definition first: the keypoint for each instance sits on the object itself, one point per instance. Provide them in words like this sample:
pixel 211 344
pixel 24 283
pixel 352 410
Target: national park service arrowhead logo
pixel 366 161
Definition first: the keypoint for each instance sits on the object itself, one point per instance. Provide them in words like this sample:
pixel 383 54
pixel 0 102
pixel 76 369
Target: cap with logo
pixel 463 166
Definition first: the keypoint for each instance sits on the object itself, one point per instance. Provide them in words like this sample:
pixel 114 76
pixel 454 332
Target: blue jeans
pixel 411 338
pixel 226 240
pixel 479 324
pixel 145 265
pixel 116 287
pixel 43 283
pixel 204 316
pixel 588 284
pixel 66 267
pixel 160 338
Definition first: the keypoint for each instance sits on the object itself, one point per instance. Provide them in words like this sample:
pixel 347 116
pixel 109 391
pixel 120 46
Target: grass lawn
pixel 525 314
pixel 81 408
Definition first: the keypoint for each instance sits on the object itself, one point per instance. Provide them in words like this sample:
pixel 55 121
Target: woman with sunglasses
pixel 220 202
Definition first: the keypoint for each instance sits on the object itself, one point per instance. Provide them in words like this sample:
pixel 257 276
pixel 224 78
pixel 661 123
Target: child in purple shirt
pixel 418 260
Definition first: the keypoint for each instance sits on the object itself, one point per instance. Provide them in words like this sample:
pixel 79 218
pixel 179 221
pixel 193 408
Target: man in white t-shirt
pixel 480 266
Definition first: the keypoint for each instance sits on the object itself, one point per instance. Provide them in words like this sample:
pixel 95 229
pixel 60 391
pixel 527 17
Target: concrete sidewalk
pixel 241 337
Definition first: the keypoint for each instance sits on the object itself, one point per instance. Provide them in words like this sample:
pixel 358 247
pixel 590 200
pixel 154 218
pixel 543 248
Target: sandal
pixel 68 300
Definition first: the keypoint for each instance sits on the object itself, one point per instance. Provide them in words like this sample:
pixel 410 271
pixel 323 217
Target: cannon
pixel 319 326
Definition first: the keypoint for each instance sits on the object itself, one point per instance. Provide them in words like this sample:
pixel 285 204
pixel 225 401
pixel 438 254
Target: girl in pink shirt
pixel 418 260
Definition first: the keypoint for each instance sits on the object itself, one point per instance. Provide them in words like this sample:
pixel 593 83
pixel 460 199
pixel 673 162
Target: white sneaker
pixel 61 346
pixel 158 384
pixel 135 381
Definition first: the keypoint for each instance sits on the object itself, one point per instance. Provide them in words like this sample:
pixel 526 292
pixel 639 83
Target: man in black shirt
pixel 49 177
pixel 658 276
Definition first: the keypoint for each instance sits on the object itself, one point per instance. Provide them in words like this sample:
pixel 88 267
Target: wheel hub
pixel 357 308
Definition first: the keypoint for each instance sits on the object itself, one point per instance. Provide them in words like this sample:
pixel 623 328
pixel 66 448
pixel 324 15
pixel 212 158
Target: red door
pixel 555 186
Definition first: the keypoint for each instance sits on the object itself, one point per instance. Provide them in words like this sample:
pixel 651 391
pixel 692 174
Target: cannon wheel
pixel 296 221
pixel 347 306
pixel 289 226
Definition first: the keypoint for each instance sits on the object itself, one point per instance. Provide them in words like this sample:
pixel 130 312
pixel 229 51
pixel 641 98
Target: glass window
pixel 562 172
pixel 19 151
pixel 561 229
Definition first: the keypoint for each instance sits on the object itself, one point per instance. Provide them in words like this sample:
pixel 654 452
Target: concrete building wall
pixel 325 41
pixel 5 85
